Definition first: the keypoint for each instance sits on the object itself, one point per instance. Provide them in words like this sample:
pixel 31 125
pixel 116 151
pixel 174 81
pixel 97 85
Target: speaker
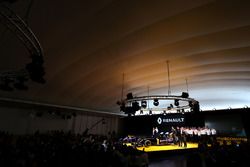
pixel 185 95
pixel 129 96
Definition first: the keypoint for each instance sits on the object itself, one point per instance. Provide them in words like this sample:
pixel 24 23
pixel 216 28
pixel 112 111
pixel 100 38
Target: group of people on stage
pixel 182 135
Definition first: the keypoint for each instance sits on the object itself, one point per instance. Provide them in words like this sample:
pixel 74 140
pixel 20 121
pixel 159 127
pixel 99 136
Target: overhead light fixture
pixel 150 112
pixel 185 95
pixel 141 112
pixel 182 103
pixel 33 70
pixel 156 102
pixel 129 96
pixel 144 104
pixel 133 105
pixel 190 103
pixel 176 102
pixel 164 112
pixel 136 106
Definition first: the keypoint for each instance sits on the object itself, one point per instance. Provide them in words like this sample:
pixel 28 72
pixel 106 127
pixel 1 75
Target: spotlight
pixel 190 104
pixel 150 112
pixel 135 106
pixel 185 95
pixel 156 102
pixel 130 110
pixel 170 106
pixel 143 104
pixel 122 107
pixel 141 112
pixel 176 102
pixel 164 112
pixel 129 96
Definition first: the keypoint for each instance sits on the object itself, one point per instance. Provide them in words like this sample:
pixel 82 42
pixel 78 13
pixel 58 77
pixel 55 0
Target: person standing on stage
pixel 175 135
pixel 182 136
pixel 153 132
pixel 184 139
pixel 156 132
pixel 178 135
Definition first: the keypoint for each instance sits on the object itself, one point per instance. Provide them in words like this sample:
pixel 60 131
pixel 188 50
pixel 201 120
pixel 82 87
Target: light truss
pixel 178 104
pixel 21 30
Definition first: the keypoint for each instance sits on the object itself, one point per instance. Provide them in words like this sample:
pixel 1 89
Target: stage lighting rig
pixel 33 70
pixel 185 104
pixel 182 103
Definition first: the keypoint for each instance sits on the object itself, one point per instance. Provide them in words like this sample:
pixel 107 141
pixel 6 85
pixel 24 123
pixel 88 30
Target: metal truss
pixel 21 30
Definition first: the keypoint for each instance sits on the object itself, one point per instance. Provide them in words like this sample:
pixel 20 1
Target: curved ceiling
pixel 89 44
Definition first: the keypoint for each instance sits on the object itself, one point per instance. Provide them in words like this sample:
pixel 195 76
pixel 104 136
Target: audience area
pixel 228 155
pixel 66 149
pixel 58 148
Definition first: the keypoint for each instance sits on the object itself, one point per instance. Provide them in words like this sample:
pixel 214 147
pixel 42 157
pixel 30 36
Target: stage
pixel 156 148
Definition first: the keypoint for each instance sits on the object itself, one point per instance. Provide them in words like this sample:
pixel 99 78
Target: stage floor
pixel 168 147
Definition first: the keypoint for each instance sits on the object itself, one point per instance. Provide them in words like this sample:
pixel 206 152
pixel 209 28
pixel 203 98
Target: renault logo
pixel 159 120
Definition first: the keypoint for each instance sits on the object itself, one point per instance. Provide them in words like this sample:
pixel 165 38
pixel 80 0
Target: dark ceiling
pixel 89 44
